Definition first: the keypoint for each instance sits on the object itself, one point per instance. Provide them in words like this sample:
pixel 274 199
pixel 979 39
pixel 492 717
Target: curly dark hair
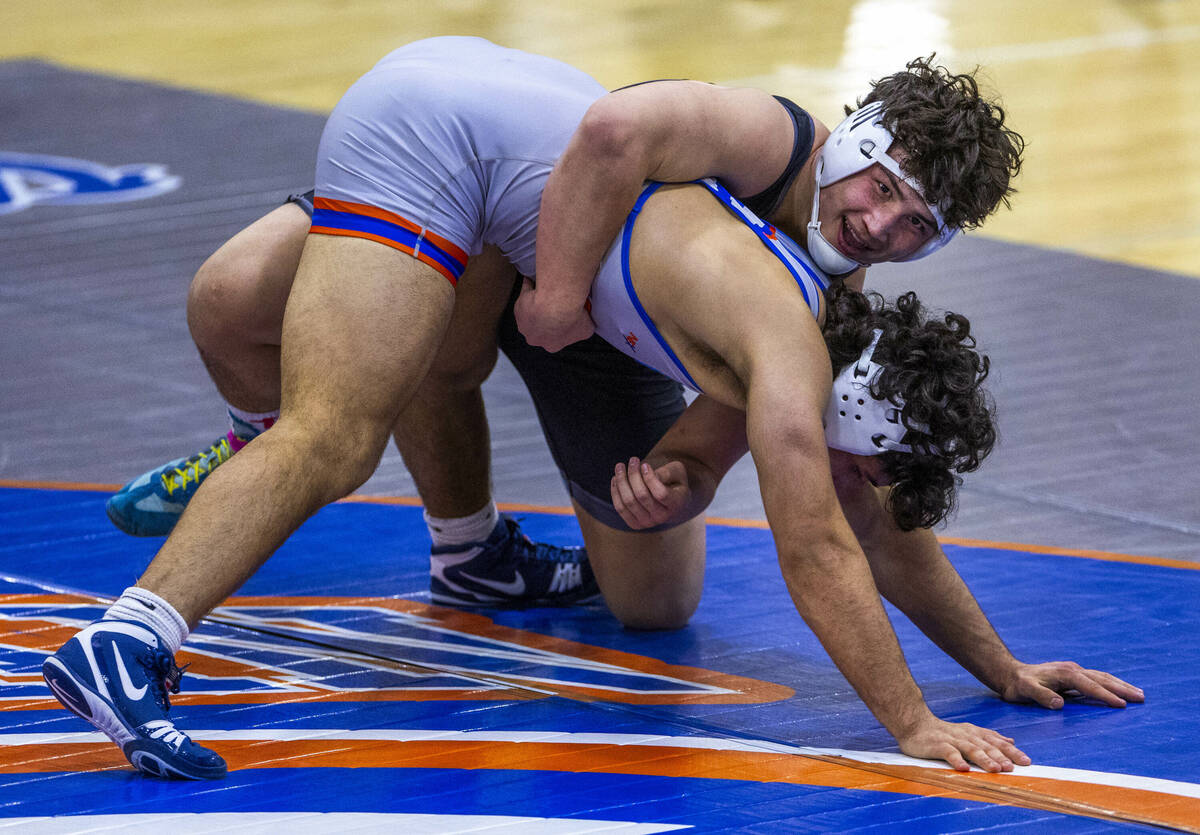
pixel 958 147
pixel 934 368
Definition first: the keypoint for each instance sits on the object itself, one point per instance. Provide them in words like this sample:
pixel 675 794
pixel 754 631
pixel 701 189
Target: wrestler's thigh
pixel 362 325
pixel 468 352
pixel 650 580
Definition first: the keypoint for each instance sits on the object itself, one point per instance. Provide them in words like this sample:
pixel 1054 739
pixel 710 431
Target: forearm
pixel 707 439
pixel 832 589
pixel 829 579
pixel 913 573
pixel 935 598
pixel 587 197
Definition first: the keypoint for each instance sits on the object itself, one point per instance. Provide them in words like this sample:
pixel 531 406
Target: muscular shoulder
pixel 723 301
pixel 692 129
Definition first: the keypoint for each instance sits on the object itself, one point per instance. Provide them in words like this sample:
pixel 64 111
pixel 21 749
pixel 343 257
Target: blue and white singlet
pixel 623 322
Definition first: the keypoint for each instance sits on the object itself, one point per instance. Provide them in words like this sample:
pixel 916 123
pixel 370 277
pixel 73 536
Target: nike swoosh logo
pixel 131 692
pixel 515 587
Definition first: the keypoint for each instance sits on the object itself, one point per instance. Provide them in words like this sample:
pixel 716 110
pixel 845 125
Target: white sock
pixel 150 610
pixel 249 425
pixel 474 528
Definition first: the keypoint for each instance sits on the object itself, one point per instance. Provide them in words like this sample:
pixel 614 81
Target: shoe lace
pixel 165 731
pixel 526 549
pixel 164 676
pixel 196 467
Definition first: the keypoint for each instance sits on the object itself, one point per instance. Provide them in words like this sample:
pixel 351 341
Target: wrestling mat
pixel 344 701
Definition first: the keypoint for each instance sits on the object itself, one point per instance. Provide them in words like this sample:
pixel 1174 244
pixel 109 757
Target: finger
pixel 635 507
pixel 955 758
pixel 999 756
pixel 1013 753
pixel 641 491
pixel 993 749
pixel 658 490
pixel 981 756
pixel 631 511
pixel 1093 689
pixel 1121 687
pixel 619 504
pixel 1045 697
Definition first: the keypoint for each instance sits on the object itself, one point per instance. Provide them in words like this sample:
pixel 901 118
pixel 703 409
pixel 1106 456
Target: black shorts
pixel 596 405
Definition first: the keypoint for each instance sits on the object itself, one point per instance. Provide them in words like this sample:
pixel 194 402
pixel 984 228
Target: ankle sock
pixel 150 610
pixel 246 426
pixel 474 528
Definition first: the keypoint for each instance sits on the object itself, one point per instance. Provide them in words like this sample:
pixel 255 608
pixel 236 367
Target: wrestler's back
pixel 682 248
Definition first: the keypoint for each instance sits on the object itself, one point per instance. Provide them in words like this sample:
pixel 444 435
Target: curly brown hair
pixel 958 147
pixel 933 367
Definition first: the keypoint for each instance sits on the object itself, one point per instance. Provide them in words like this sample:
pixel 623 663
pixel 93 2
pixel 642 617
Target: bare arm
pixel 679 477
pixel 826 572
pixel 673 131
pixel 750 340
pixel 912 572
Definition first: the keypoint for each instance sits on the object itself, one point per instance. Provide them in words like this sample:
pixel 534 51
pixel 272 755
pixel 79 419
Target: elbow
pixel 611 132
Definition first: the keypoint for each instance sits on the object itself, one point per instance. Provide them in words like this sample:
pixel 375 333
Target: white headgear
pixel 858 422
pixel 854 145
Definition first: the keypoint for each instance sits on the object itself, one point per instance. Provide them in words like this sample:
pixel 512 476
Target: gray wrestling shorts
pixel 596 405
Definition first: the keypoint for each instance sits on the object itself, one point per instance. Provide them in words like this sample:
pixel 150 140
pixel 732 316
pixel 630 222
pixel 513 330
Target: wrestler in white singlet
pixel 622 321
pixel 444 146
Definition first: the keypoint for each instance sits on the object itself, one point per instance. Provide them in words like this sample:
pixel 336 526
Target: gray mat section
pixel 1094 362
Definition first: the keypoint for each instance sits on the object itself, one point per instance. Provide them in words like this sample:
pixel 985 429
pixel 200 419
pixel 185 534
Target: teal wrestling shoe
pixel 509 570
pixel 117 675
pixel 152 503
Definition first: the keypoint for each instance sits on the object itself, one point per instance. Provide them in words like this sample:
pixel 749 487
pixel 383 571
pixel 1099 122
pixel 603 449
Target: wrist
pixel 908 721
pixel 560 296
pixel 1001 674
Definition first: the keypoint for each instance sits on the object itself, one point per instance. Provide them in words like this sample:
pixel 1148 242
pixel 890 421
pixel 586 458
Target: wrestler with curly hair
pixel 853 474
pixel 931 367
pixel 387 330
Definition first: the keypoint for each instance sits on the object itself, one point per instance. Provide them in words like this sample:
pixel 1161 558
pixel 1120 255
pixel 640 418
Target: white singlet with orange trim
pixel 444 146
pixel 620 318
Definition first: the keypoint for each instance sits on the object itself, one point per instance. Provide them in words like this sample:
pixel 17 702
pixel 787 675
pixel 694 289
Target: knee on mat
pixel 653 611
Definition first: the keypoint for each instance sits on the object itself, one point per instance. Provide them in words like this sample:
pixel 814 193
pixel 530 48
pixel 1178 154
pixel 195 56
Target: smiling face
pixel 873 216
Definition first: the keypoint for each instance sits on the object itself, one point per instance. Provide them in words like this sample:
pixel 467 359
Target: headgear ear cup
pixel 855 420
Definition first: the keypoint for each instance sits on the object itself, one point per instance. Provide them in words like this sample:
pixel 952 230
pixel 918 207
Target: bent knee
pixel 337 462
pixel 655 609
pixel 237 297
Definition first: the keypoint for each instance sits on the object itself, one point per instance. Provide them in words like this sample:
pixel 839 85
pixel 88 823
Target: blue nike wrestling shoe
pixel 509 570
pixel 117 675
pixel 152 503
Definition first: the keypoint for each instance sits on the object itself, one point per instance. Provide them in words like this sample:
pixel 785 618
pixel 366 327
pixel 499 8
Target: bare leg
pixel 649 580
pixel 235 313
pixel 443 433
pixel 350 364
pixel 236 303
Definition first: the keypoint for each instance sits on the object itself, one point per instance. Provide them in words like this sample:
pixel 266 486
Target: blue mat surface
pixel 335 689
